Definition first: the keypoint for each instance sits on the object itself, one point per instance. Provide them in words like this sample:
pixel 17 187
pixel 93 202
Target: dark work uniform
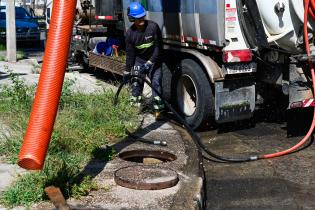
pixel 143 46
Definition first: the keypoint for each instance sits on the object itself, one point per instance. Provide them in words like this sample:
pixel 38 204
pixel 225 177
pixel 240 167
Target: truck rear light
pixel 77 37
pixel 237 56
pixel 104 17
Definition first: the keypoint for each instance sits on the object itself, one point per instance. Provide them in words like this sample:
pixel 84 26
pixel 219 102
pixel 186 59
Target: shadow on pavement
pixel 5 75
pixel 107 77
pixel 295 122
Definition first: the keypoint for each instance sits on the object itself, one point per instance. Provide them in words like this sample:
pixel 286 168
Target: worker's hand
pixel 126 77
pixel 145 68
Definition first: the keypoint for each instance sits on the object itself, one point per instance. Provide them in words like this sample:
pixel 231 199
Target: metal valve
pixel 280 8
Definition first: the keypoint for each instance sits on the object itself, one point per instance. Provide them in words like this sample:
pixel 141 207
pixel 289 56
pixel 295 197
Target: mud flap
pixel 234 100
pixel 300 88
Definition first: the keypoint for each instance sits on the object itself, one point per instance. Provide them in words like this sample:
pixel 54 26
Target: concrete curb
pixel 192 194
pixel 189 193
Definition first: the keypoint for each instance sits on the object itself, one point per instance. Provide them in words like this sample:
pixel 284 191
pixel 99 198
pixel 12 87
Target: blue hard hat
pixel 136 10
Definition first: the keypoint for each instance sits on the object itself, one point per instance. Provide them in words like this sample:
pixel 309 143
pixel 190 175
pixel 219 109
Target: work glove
pixel 145 68
pixel 126 77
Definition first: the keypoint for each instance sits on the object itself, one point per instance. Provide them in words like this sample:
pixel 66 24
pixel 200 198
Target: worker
pixel 143 54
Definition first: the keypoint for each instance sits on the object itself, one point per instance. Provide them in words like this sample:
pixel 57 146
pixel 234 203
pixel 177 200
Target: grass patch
pixel 84 187
pixel 3 47
pixel 36 68
pixel 84 124
pixel 20 55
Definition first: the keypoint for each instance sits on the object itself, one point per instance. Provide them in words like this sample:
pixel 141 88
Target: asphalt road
pixel 280 183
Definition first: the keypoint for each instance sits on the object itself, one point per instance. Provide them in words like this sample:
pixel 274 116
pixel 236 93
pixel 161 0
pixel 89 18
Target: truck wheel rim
pixel 187 95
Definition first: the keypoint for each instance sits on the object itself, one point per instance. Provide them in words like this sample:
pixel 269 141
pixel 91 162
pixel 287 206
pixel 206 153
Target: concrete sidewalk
pixel 186 194
pixel 28 70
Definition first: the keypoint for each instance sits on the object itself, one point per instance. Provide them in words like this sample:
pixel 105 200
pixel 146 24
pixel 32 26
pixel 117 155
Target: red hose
pixel 309 10
pixel 45 106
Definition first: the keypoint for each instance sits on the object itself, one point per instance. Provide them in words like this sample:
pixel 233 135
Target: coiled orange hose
pixel 37 137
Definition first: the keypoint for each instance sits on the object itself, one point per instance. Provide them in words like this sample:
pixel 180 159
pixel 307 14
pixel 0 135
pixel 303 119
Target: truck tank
pixel 199 21
pixel 203 21
pixel 240 31
pixel 283 22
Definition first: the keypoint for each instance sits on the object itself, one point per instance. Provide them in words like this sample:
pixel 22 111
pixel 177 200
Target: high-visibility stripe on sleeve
pixel 143 46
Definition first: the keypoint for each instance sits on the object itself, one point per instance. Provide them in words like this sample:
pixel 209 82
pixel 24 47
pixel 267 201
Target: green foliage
pixel 26 190
pixel 3 47
pixel 84 187
pixel 84 124
pixel 105 154
pixel 10 148
pixel 18 95
pixel 36 68
pixel 20 55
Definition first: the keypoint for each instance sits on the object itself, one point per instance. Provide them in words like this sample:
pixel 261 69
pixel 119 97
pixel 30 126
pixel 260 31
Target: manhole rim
pixel 142 153
pixel 146 186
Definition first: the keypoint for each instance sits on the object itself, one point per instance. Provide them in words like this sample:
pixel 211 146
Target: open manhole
pixel 146 177
pixel 147 156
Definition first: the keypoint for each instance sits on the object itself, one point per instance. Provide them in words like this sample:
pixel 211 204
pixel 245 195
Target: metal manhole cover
pixel 146 177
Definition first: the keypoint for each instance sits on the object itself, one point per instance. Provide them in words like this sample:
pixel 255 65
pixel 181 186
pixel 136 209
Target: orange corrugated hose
pixel 309 10
pixel 45 106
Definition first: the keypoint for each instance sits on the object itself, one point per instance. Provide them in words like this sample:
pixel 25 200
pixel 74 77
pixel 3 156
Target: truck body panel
pixel 109 10
pixel 196 21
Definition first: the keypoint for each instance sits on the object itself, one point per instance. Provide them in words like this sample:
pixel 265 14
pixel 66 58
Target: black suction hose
pixel 201 147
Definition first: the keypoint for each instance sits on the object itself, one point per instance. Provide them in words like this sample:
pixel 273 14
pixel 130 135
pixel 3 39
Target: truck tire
pixel 193 93
pixel 167 76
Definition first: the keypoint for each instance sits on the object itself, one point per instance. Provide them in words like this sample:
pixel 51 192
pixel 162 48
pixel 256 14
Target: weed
pixel 84 187
pixel 11 146
pixel 36 68
pixel 3 47
pixel 26 190
pixel 66 91
pixel 84 124
pixel 105 188
pixel 18 93
pixel 105 154
pixel 20 55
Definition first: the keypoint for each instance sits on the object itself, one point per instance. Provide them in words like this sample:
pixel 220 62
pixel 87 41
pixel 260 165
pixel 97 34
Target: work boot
pixel 136 101
pixel 159 115
pixel 158 107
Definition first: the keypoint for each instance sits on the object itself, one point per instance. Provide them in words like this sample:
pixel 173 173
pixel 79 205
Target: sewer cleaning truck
pixel 222 58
